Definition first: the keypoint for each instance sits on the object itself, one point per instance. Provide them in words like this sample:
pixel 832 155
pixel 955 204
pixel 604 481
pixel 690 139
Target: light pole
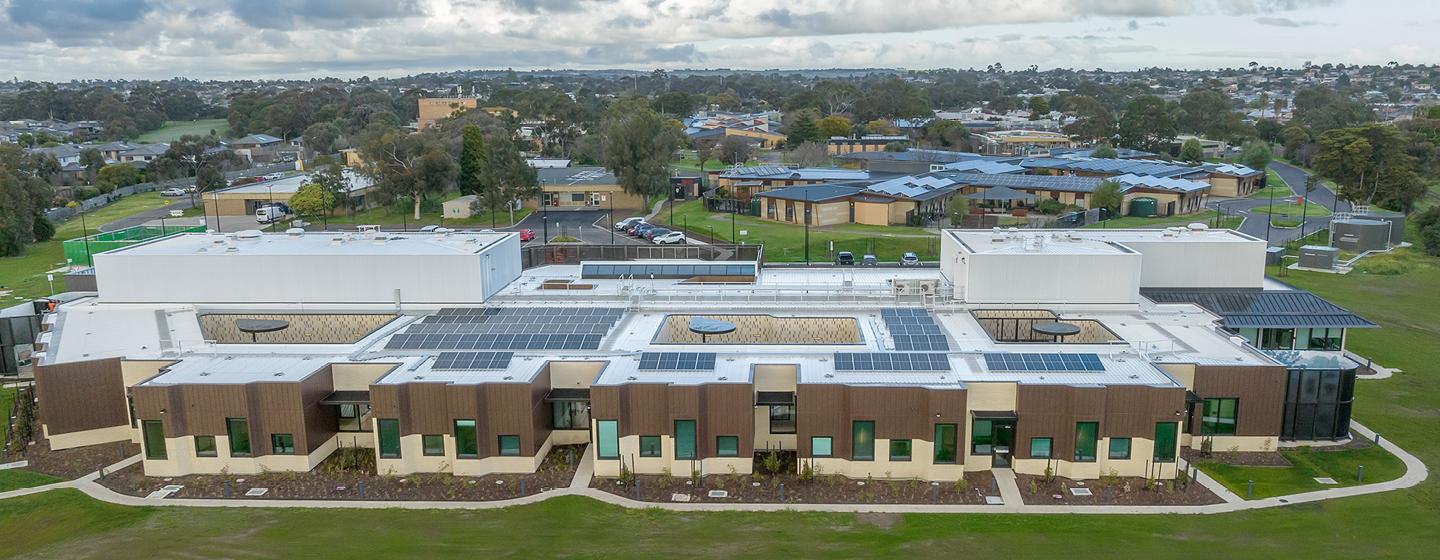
pixel 610 217
pixel 270 192
pixel 805 215
pixel 85 234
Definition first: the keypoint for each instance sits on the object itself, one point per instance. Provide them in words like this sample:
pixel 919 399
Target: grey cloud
pixel 629 54
pixel 74 22
pixel 327 14
pixel 537 6
pixel 1133 25
pixel 1280 22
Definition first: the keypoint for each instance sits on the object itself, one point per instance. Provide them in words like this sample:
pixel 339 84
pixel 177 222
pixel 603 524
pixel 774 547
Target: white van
pixel 271 213
pixel 274 176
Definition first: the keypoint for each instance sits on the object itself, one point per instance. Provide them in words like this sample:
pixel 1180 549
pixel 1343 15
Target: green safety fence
pixel 78 250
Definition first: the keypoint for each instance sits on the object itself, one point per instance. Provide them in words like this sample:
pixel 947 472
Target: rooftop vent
pixel 295 232
pixel 248 234
pixel 1198 227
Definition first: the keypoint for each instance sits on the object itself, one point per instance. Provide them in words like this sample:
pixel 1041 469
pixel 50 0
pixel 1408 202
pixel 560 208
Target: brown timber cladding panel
pixel 268 407
pixel 720 409
pixel 1133 411
pixel 1261 390
pixel 79 396
pixel 727 409
pixel 497 409
pixel 898 413
pixel 1052 411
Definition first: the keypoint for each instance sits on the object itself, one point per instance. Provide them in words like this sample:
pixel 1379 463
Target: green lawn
pixel 786 242
pixel 689 163
pixel 1294 210
pixel 1277 187
pixel 1380 466
pixel 14 479
pixel 1205 217
pixel 173 130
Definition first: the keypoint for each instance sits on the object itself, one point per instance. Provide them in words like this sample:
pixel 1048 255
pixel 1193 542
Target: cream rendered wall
pixel 1140 463
pixel 873 213
pixel 358 376
pixel 90 437
pixel 630 455
pixel 1033 278
pixel 413 460
pixel 765 440
pixel 995 397
pixel 574 375
pixel 1236 443
pixel 1191 263
pixel 921 464
pixel 181 460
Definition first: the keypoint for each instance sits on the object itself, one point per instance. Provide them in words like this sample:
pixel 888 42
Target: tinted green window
pixel 862 440
pixel 1219 417
pixel 509 446
pixel 727 446
pixel 1119 448
pixel 432 445
pixel 945 443
pixel 389 437
pixel 1165 441
pixel 238 430
pixel 282 444
pixel 570 415
pixel 466 445
pixel 820 446
pixel 899 450
pixel 981 436
pixel 684 439
pixel 649 446
pixel 1086 440
pixel 607 439
pixel 1040 447
pixel 205 446
pixel 154 433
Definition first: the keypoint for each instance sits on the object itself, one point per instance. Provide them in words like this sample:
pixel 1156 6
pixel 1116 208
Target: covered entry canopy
pixel 1000 193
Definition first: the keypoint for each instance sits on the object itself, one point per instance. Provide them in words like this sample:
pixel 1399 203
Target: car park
pixel 640 229
pixel 845 258
pixel 672 238
pixel 627 222
pixel 654 231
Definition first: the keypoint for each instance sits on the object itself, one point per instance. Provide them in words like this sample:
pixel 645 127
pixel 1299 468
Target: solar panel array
pixel 914 329
pixel 509 328
pixel 997 361
pixel 472 360
pixel 891 361
pixel 677 361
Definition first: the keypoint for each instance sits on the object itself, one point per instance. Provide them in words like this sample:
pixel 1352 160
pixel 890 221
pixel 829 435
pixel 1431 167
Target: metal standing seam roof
pixel 808 173
pixel 1231 169
pixel 985 166
pixel 1129 181
pixel 812 193
pixel 1263 308
pixel 1065 183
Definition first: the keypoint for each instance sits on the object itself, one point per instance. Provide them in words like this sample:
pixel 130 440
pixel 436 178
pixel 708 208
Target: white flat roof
pixel 231 369
pixel 317 243
pixel 1023 242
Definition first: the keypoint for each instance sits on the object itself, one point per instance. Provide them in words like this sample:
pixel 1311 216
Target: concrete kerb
pixel 1415 473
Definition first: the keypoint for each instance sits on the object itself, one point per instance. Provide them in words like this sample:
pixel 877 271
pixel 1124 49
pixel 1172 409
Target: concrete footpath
pixel 1415 472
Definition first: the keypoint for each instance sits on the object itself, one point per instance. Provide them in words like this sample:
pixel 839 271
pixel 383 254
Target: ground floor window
pixel 862 440
pixel 351 417
pixel 570 415
pixel 1318 339
pixel 389 429
pixel 650 446
pixel 1086 440
pixel 945 444
pixel 782 419
pixel 1165 436
pixel 466 444
pixel 899 450
pixel 205 446
pixel 821 446
pixel 432 445
pixel 238 430
pixel 1219 417
pixel 510 446
pixel 1317 404
pixel 684 439
pixel 154 435
pixel 607 439
pixel 1040 447
pixel 1119 448
pixel 981 437
pixel 282 444
pixel 727 446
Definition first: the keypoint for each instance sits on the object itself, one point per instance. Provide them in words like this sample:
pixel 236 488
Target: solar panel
pixel 677 361
pixel 998 361
pixel 472 360
pixel 891 361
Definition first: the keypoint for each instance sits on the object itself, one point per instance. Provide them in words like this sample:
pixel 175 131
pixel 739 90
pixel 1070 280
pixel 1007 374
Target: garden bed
pixel 824 489
pixel 74 463
pixel 1120 491
pixel 1237 458
pixel 342 477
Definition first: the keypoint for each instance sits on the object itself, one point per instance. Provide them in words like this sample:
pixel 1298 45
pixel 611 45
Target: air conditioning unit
pixel 914 287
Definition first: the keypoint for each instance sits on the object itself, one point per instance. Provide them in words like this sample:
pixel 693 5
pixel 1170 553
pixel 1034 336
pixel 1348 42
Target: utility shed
pixel 299 267
pixel 1038 267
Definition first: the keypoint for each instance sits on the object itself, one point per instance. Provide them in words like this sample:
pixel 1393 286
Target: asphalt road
pixel 589 226
pixel 1255 223
pixel 142 218
pixel 1322 194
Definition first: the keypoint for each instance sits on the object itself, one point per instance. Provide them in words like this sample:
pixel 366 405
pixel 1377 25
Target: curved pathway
pixel 1415 472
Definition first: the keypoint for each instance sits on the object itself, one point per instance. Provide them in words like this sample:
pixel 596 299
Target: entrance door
pixel 1003 434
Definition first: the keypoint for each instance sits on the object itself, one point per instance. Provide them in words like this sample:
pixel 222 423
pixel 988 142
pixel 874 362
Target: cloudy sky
pixel 65 39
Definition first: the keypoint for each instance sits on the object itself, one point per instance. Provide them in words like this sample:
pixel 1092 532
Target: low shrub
pixel 1383 265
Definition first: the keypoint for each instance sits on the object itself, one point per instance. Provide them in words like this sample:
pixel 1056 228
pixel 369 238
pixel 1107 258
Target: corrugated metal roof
pixel 1065 183
pixel 985 166
pixel 1129 181
pixel 812 193
pixel 1263 308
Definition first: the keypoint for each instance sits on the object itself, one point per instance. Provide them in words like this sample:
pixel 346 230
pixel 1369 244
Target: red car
pixel 527 234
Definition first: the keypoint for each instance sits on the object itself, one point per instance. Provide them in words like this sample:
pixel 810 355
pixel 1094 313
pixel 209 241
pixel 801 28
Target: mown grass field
pixel 786 242
pixel 25 275
pixel 173 130
pixel 1307 465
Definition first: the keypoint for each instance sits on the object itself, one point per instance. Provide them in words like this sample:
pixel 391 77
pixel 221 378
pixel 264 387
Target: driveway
pixel 1256 223
pixel 1322 195
pixel 589 226
pixel 142 218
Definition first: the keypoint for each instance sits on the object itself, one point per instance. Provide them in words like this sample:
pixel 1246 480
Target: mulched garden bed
pixel 340 477
pixel 1237 458
pixel 76 462
pixel 1122 491
pixel 825 489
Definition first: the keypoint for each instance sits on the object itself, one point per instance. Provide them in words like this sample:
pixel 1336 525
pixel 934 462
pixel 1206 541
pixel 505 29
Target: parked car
pixel 869 260
pixel 274 176
pixel 845 258
pixel 640 229
pixel 672 238
pixel 173 191
pixel 625 224
pixel 654 231
pixel 909 259
pixel 527 234
pixel 271 213
pixel 429 229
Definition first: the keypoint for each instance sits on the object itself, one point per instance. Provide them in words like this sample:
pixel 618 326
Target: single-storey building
pixel 838 145
pixel 582 188
pixel 745 182
pixel 242 200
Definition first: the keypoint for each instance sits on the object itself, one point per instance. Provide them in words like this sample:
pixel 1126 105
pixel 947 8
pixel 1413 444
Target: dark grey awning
pixel 774 398
pixel 995 415
pixel 1255 308
pixel 568 395
pixel 347 397
pixel 1192 398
